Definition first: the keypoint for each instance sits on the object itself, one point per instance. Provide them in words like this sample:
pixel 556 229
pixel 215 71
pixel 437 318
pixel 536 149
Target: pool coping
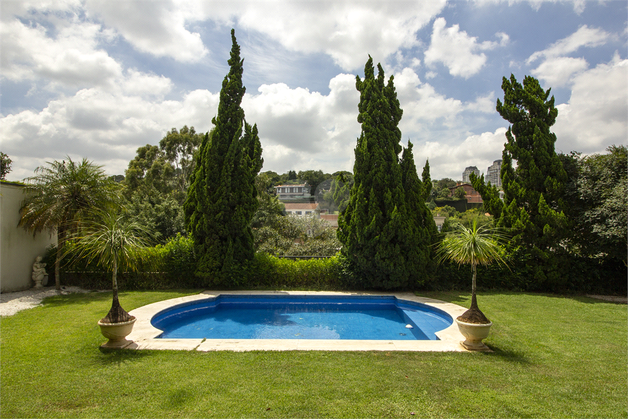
pixel 144 334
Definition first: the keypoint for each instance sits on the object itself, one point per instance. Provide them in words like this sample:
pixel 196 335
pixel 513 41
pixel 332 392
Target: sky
pixel 97 79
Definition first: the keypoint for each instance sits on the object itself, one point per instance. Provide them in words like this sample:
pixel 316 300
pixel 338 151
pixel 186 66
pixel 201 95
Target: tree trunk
pixel 116 314
pixel 474 314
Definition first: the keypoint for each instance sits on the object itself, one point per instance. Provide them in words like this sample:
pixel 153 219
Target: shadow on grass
pixel 119 357
pixel 507 355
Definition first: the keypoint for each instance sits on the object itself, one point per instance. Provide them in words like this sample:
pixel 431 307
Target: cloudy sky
pixel 98 79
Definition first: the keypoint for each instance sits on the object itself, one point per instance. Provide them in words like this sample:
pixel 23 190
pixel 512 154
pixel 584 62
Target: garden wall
pixel 18 248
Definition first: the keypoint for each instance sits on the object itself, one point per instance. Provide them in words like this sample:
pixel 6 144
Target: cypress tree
pixel 421 228
pixel 533 189
pixel 221 200
pixel 382 244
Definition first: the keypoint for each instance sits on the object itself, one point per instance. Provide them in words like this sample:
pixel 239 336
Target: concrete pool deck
pixel 144 334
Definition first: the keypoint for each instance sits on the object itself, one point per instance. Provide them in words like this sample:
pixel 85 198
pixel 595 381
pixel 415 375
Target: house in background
pixel 332 219
pixel 471 195
pixel 287 192
pixel 302 209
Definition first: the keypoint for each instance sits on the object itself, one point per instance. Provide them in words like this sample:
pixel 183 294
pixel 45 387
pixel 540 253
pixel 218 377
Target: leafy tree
pixel 375 228
pixel 157 180
pixel 533 188
pixel 179 148
pixel 440 188
pixel 598 204
pixel 269 205
pixel 61 196
pixel 165 168
pixel 5 165
pixel 473 246
pixel 313 178
pixel 114 242
pixel 460 193
pixel 222 197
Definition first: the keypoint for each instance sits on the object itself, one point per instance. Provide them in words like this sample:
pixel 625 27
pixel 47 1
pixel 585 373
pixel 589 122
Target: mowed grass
pixel 552 356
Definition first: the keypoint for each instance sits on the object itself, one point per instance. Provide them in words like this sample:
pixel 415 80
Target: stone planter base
pixel 116 333
pixel 474 334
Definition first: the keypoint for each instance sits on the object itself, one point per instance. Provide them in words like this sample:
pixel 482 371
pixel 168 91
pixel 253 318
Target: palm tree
pixel 61 195
pixel 472 246
pixel 114 242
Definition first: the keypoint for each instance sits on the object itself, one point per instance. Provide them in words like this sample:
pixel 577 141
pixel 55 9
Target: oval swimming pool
pixel 301 317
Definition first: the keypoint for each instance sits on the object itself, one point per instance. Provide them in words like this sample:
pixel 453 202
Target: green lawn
pixel 553 356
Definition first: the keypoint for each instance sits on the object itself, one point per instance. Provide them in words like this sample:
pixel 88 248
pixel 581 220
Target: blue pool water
pixel 301 317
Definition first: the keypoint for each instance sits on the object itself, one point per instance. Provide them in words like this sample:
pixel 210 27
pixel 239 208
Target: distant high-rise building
pixel 468 171
pixel 493 173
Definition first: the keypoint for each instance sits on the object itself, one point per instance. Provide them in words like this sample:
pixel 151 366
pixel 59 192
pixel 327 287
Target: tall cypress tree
pixel 533 189
pixel 221 199
pixel 381 240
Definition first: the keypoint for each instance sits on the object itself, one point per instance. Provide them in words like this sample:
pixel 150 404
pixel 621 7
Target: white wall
pixel 18 248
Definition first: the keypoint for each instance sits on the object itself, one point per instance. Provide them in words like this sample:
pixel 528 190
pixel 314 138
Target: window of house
pixel 308 212
pixel 298 212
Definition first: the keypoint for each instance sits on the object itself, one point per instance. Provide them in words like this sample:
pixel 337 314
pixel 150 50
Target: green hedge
pixel 171 266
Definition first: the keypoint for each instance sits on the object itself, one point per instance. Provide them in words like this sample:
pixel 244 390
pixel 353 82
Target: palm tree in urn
pixel 474 245
pixel 115 243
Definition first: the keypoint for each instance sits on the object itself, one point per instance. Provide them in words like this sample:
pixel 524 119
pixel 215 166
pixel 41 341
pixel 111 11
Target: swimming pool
pixel 146 336
pixel 302 317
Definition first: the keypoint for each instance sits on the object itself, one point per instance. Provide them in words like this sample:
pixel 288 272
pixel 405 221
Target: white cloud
pixel 595 115
pixel 157 28
pixel 345 30
pixel 583 37
pixel 557 72
pixel 578 5
pixel 457 50
pixel 449 160
pixel 104 126
pixel 71 59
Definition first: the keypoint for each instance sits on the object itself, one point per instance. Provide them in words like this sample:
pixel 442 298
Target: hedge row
pixel 171 266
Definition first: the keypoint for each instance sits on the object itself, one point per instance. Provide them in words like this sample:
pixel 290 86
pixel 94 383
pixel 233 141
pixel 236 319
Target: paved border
pixel 144 335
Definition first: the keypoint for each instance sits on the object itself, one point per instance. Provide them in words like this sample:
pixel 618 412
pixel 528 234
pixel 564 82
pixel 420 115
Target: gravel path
pixel 13 302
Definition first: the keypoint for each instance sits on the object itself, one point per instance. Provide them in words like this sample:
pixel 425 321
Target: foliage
pixel 377 230
pixel 297 236
pixel 165 168
pixel 597 204
pixel 61 197
pixel 160 213
pixel 533 205
pixel 157 180
pixel 222 197
pixel 5 165
pixel 313 178
pixel 474 245
pixel 334 196
pixel 114 242
pixel 440 188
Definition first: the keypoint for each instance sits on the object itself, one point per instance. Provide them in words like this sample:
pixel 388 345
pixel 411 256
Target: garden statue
pixel 39 273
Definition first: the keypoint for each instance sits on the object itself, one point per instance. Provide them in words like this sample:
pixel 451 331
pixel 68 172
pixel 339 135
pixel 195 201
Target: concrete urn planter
pixel 116 333
pixel 474 334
